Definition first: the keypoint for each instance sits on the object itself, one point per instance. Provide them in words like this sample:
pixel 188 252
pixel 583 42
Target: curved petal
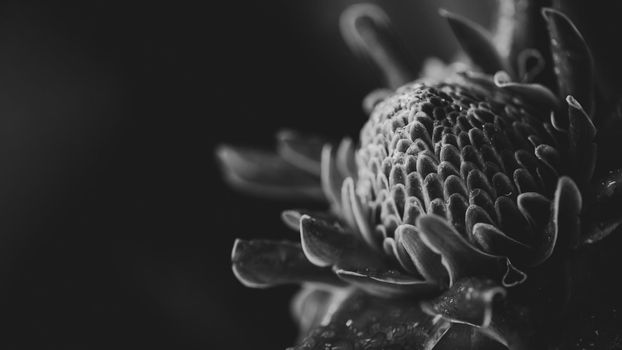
pixel 325 245
pixel 492 240
pixel 266 174
pixel 571 57
pixel 387 283
pixel 481 303
pixel 565 221
pixel 581 146
pixel 366 28
pixel 535 93
pixel 427 262
pixel 264 263
pixel 301 151
pixel 459 257
pixel 476 42
pixel 309 306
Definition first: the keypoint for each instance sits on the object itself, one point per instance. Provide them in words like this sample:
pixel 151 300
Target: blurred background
pixel 115 227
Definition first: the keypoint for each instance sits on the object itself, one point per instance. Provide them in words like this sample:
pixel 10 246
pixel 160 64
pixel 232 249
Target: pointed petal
pixel 363 321
pixel 304 152
pixel 366 28
pixel 325 245
pixel 387 283
pixel 263 263
pixel 476 42
pixel 459 257
pixel 266 174
pixel 571 57
pixel 427 262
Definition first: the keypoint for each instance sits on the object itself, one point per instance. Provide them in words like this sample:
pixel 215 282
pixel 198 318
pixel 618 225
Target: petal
pixel 427 262
pixel 492 240
pixel 535 93
pixel 363 321
pixel 304 152
pixel 362 217
pixel 266 174
pixel 374 98
pixel 291 217
pixel 366 28
pixel 481 303
pixel 263 263
pixel 325 245
pixel 581 146
pixel 476 42
pixel 309 306
pixel 459 257
pixel 565 220
pixel 387 283
pixel 571 57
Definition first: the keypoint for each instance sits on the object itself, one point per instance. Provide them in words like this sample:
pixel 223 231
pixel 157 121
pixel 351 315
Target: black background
pixel 115 227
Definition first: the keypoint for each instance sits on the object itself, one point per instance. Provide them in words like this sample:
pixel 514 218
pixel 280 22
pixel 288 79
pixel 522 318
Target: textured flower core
pixel 463 150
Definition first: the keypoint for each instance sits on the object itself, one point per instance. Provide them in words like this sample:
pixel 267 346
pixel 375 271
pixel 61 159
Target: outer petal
pixel 266 174
pixel 476 42
pixel 263 263
pixel 571 57
pixel 387 283
pixel 481 303
pixel 325 245
pixel 301 151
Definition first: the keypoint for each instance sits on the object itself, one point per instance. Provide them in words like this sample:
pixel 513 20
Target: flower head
pixel 462 186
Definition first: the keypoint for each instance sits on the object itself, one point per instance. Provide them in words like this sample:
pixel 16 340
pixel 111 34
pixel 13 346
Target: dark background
pixel 115 228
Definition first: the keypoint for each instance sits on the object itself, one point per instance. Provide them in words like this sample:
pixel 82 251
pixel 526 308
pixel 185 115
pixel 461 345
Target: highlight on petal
pixel 366 28
pixel 476 42
pixel 363 321
pixel 264 263
pixel 459 257
pixel 581 146
pixel 266 174
pixel 325 245
pixel 374 98
pixel 535 93
pixel 309 307
pixel 387 283
pixel 301 151
pixel 330 176
pixel 564 223
pixel 427 262
pixel 469 301
pixel 481 303
pixel 493 241
pixel 572 58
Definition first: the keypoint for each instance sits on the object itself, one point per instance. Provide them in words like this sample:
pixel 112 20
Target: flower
pixel 462 198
